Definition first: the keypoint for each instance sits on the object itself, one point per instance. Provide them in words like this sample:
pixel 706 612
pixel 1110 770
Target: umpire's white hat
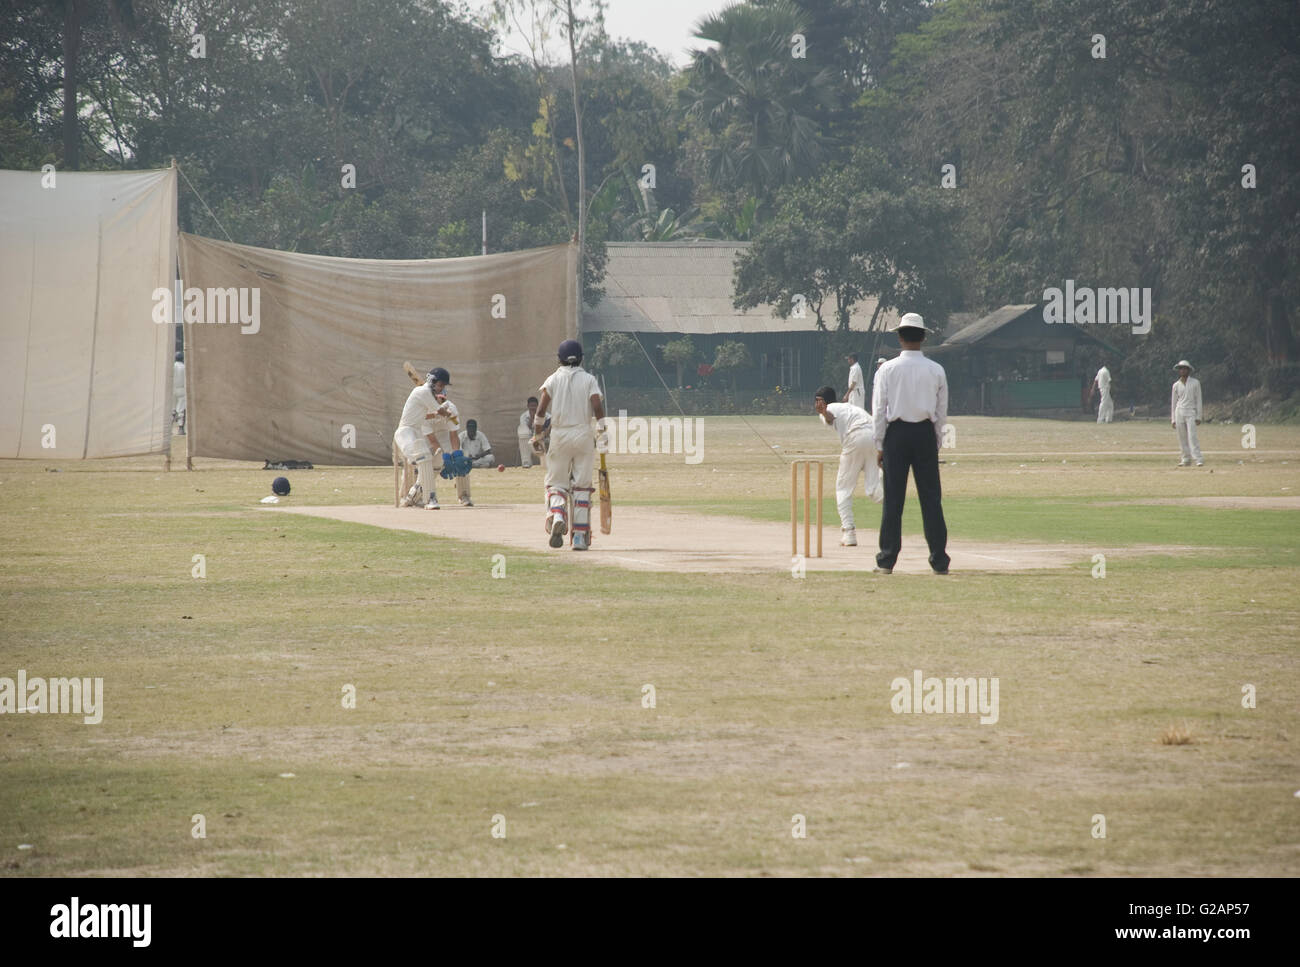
pixel 911 320
pixel 1182 362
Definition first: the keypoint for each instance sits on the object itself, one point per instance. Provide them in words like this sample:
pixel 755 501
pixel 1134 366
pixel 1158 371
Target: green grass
pixel 522 696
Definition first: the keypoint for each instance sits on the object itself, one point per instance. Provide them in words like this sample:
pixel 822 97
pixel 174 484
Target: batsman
pixel 427 413
pixel 571 398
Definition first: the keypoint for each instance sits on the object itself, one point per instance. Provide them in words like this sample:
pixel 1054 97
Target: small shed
pixel 1012 360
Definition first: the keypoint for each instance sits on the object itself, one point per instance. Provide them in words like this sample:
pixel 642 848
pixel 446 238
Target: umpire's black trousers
pixel 912 445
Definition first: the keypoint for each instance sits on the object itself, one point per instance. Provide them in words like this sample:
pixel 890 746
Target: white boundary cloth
pixel 79 348
pixel 326 353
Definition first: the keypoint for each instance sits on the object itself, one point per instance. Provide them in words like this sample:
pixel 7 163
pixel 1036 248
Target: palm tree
pixel 763 105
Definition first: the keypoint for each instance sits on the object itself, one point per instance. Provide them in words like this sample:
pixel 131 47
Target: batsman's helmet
pixel 280 486
pixel 439 375
pixel 570 352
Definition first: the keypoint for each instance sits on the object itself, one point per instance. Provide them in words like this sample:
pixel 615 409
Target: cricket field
pixel 293 694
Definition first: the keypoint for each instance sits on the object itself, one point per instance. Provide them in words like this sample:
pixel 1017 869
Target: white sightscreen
pixel 80 351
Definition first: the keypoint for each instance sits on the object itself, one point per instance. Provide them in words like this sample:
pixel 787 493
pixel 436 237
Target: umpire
pixel 910 404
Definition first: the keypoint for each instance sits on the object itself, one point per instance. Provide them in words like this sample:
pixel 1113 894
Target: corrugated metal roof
pixel 981 329
pixel 688 287
pixel 990 324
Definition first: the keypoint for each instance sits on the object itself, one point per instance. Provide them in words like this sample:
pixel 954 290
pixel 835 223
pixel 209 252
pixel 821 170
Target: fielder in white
pixel 856 394
pixel 525 433
pixel 571 397
pixel 178 391
pixel 1106 408
pixel 426 412
pixel 857 456
pixel 1185 413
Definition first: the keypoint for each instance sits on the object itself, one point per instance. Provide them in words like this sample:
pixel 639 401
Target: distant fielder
pixel 856 394
pixel 1185 413
pixel 1106 407
pixel 857 456
pixel 571 398
pixel 178 392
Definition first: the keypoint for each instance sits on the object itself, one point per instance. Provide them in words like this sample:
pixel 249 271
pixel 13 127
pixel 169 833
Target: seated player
pixel 476 446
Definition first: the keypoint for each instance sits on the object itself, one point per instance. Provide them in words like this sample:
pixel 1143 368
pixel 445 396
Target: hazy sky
pixel 665 24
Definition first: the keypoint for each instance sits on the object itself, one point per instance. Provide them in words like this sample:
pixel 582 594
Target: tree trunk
pixel 72 17
pixel 582 160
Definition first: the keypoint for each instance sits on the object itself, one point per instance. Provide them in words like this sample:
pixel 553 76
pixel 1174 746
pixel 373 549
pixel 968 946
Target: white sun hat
pixel 1182 363
pixel 911 320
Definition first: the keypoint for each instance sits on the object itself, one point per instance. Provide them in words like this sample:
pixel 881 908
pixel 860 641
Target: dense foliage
pixel 937 156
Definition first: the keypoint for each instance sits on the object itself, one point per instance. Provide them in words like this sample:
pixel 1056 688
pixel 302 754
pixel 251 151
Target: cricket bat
pixel 606 507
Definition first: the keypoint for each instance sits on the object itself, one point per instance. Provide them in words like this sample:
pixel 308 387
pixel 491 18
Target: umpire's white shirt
pixel 571 389
pixel 910 388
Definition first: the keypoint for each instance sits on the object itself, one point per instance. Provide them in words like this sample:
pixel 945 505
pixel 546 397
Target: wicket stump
pixel 807 507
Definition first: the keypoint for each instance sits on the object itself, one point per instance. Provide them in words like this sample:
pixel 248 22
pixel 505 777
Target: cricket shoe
pixel 432 503
pixel 581 541
pixel 557 532
pixel 413 497
pixel 466 502
pixel 849 537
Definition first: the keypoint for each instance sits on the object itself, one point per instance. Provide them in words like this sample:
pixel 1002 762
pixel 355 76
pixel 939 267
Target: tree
pixel 614 349
pixel 763 110
pixel 856 232
pixel 731 357
pixel 679 353
pixel 544 17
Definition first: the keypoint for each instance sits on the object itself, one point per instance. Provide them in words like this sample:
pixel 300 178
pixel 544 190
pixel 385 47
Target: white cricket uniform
pixel 856 394
pixel 412 429
pixel 857 457
pixel 571 457
pixel 525 434
pixel 478 449
pixel 178 387
pixel 1106 408
pixel 572 454
pixel 1184 411
pixel 441 427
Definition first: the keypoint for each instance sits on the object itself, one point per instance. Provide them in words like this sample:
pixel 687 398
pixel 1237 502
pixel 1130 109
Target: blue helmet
pixel 570 352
